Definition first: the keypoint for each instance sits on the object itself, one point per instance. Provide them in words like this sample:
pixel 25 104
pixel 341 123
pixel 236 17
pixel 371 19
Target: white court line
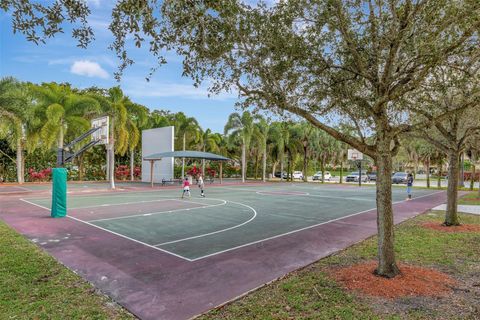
pixel 122 203
pixel 281 193
pixel 218 231
pixel 305 228
pixel 160 212
pixel 115 233
pixel 34 204
pixel 262 192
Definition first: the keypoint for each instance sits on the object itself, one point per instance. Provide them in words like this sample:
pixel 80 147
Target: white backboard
pixel 354 154
pixel 101 134
pixel 156 141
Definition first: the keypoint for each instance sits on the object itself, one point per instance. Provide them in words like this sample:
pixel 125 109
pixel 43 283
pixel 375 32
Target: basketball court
pixel 164 257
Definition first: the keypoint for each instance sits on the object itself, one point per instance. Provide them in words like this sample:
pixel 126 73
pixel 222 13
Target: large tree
pixel 452 87
pixel 353 60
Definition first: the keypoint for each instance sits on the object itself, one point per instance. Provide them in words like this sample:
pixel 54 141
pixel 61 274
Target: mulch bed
pixel 413 281
pixel 461 228
pixel 470 199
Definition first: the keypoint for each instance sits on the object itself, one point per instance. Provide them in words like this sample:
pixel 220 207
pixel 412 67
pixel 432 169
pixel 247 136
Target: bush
pixel 42 175
pixel 122 172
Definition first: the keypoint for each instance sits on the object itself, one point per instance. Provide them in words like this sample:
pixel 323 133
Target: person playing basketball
pixel 201 185
pixel 186 187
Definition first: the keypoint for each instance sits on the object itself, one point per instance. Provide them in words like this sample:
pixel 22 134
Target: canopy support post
pixel 151 172
pixel 221 172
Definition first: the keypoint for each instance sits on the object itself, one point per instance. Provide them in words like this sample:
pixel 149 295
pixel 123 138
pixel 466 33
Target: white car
pixel 297 175
pixel 355 176
pixel 318 176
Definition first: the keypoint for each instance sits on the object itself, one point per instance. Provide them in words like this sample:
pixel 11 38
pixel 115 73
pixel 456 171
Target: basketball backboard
pixel 101 134
pixel 354 154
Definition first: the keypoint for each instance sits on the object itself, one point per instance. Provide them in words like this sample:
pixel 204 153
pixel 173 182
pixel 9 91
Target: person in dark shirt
pixel 409 186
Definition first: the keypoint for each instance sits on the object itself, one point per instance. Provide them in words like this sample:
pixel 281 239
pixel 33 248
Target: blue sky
pixel 61 61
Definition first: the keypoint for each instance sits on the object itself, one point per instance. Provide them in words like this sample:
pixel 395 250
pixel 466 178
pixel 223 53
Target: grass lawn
pixel 470 199
pixel 33 285
pixel 311 293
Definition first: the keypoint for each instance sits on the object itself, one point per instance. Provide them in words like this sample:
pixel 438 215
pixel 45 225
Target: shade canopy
pixel 185 154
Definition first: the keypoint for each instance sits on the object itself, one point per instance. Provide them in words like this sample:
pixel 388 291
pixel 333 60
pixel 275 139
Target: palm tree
pixel 137 119
pixel 293 147
pixel 307 134
pixel 63 111
pixel 240 127
pixel 278 137
pixel 210 142
pixel 157 119
pixel 187 130
pixel 114 104
pixel 13 116
pixel 326 148
pixel 261 130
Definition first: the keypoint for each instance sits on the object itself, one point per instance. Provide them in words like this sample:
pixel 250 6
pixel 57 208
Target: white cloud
pixel 88 68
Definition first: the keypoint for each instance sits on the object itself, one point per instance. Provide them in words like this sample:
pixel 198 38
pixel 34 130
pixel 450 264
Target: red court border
pixel 157 285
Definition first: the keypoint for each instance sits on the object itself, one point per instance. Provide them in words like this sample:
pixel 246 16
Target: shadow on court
pixel 164 257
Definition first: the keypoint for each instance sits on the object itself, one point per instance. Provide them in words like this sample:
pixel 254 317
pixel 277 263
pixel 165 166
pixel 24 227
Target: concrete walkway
pixel 461 208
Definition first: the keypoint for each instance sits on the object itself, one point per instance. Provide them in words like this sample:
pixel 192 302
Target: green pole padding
pixel 59 193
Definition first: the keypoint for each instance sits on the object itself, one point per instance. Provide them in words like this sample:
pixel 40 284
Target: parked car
pixel 318 176
pixel 355 176
pixel 297 175
pixel 278 174
pixel 399 177
pixel 372 176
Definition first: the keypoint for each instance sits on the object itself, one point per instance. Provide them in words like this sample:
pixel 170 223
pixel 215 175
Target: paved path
pixel 461 208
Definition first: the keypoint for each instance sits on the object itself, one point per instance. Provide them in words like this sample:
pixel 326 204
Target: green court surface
pixel 228 218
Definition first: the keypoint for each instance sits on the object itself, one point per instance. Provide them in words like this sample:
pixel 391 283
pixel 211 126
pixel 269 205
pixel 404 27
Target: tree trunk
pixel 256 165
pixel 451 216
pixel 274 166
pixel 107 168
pixel 305 163
pixel 243 160
pixel 20 175
pixel 183 159
pixel 415 167
pixel 288 166
pixel 428 171
pixel 112 154
pixel 203 164
pixel 281 168
pixel 60 137
pixel 80 167
pixel 132 164
pixel 439 179
pixel 472 178
pixel 264 163
pixel 461 182
pixel 341 171
pixel 387 266
pixel 322 168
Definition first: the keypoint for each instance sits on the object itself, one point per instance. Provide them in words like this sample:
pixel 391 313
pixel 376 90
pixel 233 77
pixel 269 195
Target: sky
pixel 60 60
